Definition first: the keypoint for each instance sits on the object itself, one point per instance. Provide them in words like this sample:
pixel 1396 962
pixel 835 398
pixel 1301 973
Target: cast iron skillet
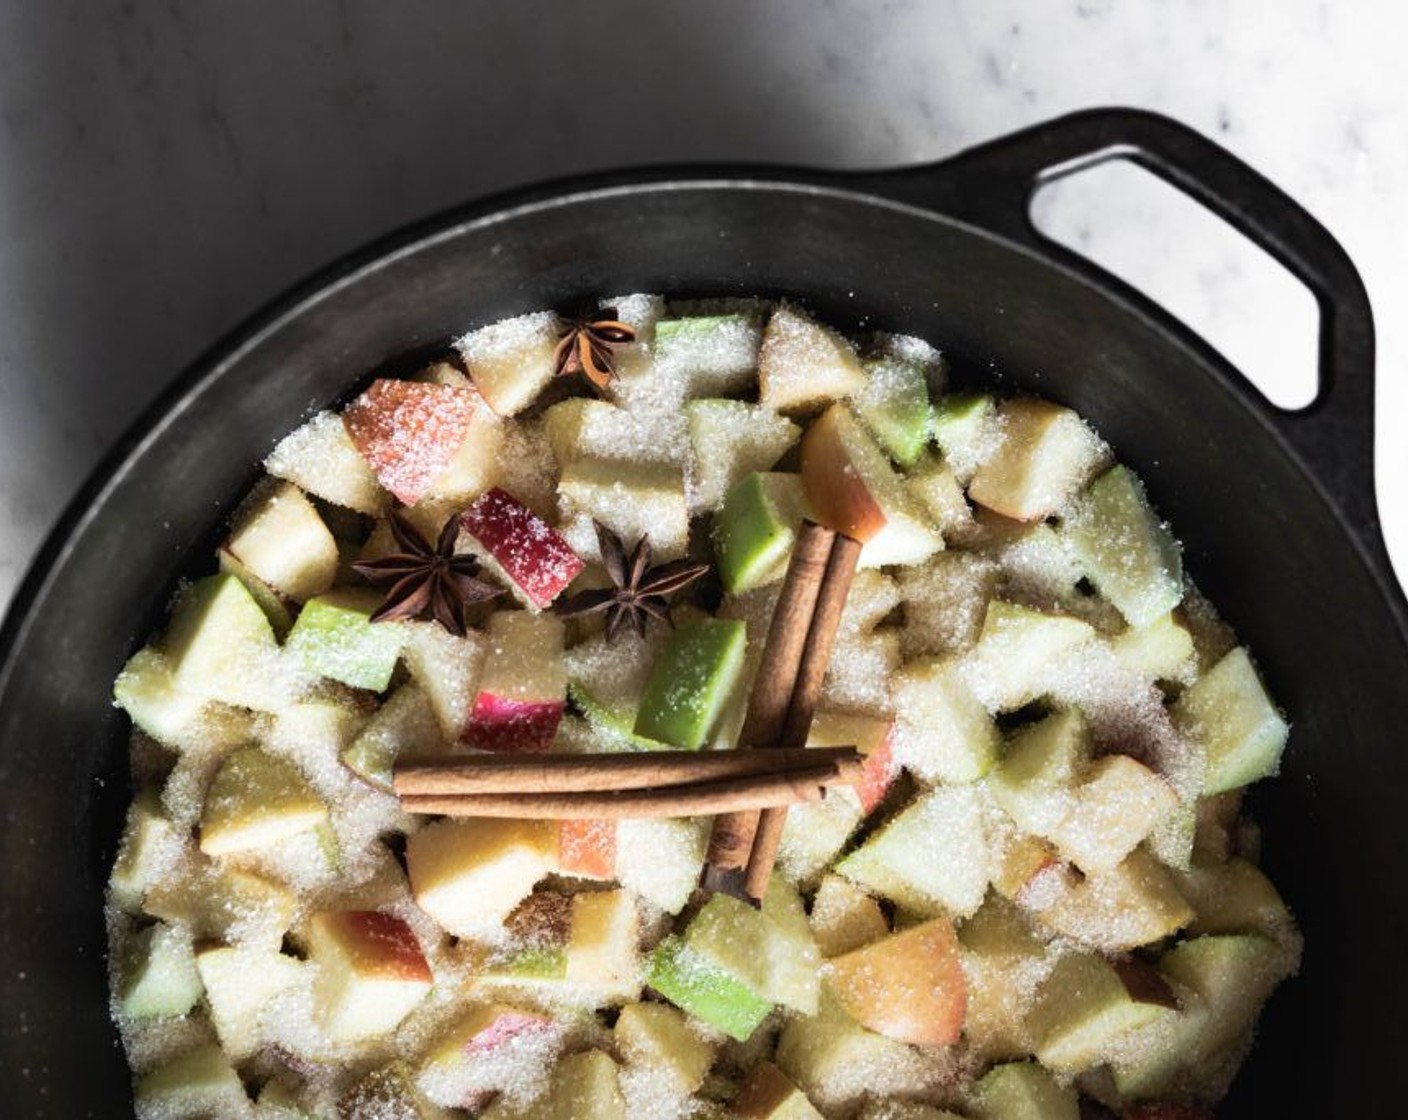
pixel 1276 511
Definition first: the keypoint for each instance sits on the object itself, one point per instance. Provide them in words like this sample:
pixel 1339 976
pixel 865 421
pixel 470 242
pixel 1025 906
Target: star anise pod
pixel 640 592
pixel 424 579
pixel 588 346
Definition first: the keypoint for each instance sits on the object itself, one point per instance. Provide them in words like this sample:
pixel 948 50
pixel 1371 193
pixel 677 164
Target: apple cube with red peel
pixel 907 986
pixel 1046 454
pixel 582 1085
pixel 281 539
pixel 469 873
pixel 1131 905
pixel 371 972
pixel 483 1051
pixel 526 549
pixel 522 686
pixel 586 849
pixel 873 736
pixel 409 432
pixel 851 487
pixel 321 459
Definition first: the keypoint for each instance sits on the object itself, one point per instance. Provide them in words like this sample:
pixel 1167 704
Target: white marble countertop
pixel 167 167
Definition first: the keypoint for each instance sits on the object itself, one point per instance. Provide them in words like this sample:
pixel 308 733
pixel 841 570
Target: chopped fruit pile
pixel 1040 900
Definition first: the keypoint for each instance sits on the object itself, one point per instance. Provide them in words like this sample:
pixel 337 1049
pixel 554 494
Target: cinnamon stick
pixel 587 773
pixel 731 840
pixel 754 791
pixel 821 638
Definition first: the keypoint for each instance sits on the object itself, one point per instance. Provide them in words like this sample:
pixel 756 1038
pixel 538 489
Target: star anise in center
pixel 588 346
pixel 427 579
pixel 640 592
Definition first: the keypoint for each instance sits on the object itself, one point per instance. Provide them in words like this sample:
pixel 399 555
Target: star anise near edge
pixel 588 346
pixel 640 591
pixel 422 578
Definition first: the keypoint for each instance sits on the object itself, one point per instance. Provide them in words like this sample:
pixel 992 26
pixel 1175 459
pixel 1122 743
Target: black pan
pixel 1276 510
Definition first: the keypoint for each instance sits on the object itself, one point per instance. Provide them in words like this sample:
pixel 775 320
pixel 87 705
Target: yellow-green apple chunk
pixel 529 553
pixel 731 440
pixel 1045 455
pixel 157 976
pixel 469 873
pixel 698 986
pixel 633 499
pixel 1023 1091
pixel 691 683
pixel 606 679
pixel 147 692
pixel 1081 1010
pixel 873 736
pixel 405 724
pixel 933 483
pixel 942 732
pixel 585 1084
pixel 225 903
pixel 894 403
pixel 815 831
pixel 1124 549
pixel 446 668
pixel 803 364
pixel 389 1091
pixel 1118 804
pixel 197 1083
pixel 1161 650
pixel 967 431
pixel 371 972
pixel 907 986
pixel 767 1094
pixel 656 1037
pixel 510 362
pixel 844 917
pixel 335 638
pixel 851 487
pixel 150 847
pixel 586 848
pixel 282 540
pixel 220 646
pixel 1136 903
pixel 522 688
pixel 277 609
pixel 709 354
pixel 1229 715
pixel 945 601
pixel 239 983
pixel 755 530
pixel 931 859
pixel 1017 644
pixel 1040 768
pixel 409 432
pixel 1236 897
pixel 602 956
pixel 321 459
pixel 1004 961
pixel 660 859
pixel 255 800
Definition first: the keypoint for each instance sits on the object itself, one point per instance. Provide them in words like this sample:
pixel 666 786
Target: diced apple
pixel 1124 549
pixel 586 849
pixel 709 354
pixel 1042 764
pixel 409 432
pixel 873 736
pixel 583 1085
pixel 256 800
pixel 601 950
pixel 1117 805
pixel 1046 454
pixel 1229 715
pixel 1134 904
pixel 755 530
pixel 967 430
pixel 942 732
pixel 907 986
pixel 768 1095
pixel 390 1091
pixel 660 859
pixel 692 681
pixel 1017 643
pixel 469 873
pixel 606 679
pixel 198 1083
pixel 851 487
pixel 844 917
pixel 225 903
pixel 321 459
pixel 585 428
pixel 698 986
pixel 220 646
pixel 803 364
pixel 894 403
pixel 282 540
pixel 1023 1091
pixel 150 847
pixel 483 1031
pixel 939 492
pixel 815 832
pixel 1160 651
pixel 522 686
pixel 511 361
pixel 371 972
pixel 731 440
pixel 1028 871
pixel 446 668
pixel 932 858
pixel 1081 1011
pixel 656 1037
pixel 945 601
pixel 334 637
pixel 633 499
pixel 533 556
pixel 1003 961
pixel 1235 897
pixel 147 692
pixel 239 983
pixel 478 464
pixel 157 977
pixel 405 724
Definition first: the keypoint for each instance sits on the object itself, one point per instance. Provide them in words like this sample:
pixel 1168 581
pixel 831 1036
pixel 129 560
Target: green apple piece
pixel 282 541
pixel 1235 897
pixel 1044 456
pixel 692 681
pixel 1041 766
pixel 256 800
pixel 966 430
pixel 933 482
pixel 239 983
pixel 659 859
pixel 802 364
pixel 335 638
pixel 150 846
pixel 1023 1091
pixel 1234 975
pixel 158 976
pixel 275 609
pixel 147 692
pixel 696 985
pixel 220 646
pixel 942 731
pixel 1124 549
pixel 931 859
pixel 894 403
pixel 582 1085
pixel 446 667
pixel 656 1037
pixel 1080 1012
pixel 770 951
pixel 1229 715
pixel 405 724
pixel 198 1083
pixel 711 354
pixel 1134 904
pixel 767 1094
pixel 1016 645
pixel 1161 650
pixel 730 440
pixel 631 498
pixel 756 529
pixel 605 680
pixel 815 831
pixel 511 361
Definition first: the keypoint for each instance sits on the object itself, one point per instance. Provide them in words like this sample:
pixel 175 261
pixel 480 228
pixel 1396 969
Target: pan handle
pixel 992 186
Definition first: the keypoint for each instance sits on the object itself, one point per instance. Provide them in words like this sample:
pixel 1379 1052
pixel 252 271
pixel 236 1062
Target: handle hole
pixel 1223 286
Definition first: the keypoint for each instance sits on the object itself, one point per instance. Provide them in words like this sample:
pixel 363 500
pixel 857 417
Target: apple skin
pixel 502 723
pixel 836 493
pixel 531 553
pixel 877 774
pixel 587 848
pixel 409 432
pixel 376 944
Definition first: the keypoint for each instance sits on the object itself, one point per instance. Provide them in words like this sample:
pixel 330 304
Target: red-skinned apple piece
pixel 371 972
pixel 409 432
pixel 587 848
pixel 522 689
pixel 526 548
pixel 835 489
